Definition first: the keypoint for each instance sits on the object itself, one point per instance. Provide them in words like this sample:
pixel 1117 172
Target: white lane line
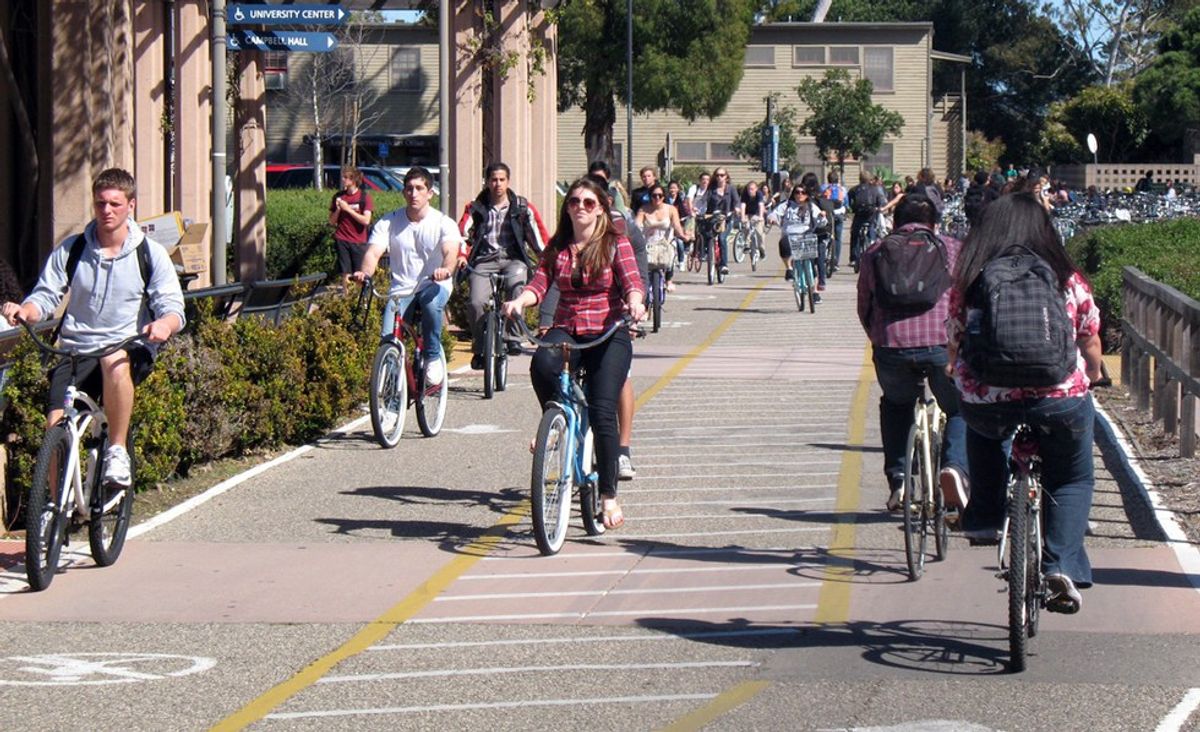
pixel 444 673
pixel 722 516
pixel 773 566
pixel 639 553
pixel 740 464
pixel 742 502
pixel 638 591
pixel 825 427
pixel 493 705
pixel 1179 716
pixel 789 530
pixel 726 476
pixel 655 611
pixel 699 446
pixel 586 639
pixel 685 492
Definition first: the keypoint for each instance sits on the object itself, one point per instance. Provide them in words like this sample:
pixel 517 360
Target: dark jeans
pixel 902 373
pixel 836 255
pixel 1064 430
pixel 605 369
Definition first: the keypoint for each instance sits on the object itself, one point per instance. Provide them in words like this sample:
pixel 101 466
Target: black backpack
pixel 911 271
pixel 1018 332
pixel 861 200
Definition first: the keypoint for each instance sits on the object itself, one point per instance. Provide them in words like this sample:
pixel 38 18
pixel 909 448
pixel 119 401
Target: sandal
pixel 611 511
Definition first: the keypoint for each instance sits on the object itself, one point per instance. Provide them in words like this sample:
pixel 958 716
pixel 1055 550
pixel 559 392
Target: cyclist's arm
pixel 539 230
pixel 165 296
pixel 676 225
pixel 334 209
pixel 375 249
pixel 451 240
pixel 1092 352
pixel 51 284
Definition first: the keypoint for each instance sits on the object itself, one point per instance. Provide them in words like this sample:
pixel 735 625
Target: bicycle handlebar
pixel 47 348
pixel 624 322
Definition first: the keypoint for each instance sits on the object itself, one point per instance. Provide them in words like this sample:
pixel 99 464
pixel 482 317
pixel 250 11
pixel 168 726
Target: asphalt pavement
pixel 757 584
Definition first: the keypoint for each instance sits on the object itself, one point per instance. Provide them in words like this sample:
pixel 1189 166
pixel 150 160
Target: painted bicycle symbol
pixel 94 669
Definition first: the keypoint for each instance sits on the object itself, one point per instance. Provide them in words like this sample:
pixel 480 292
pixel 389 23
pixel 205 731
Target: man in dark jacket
pixel 866 199
pixel 500 228
pixel 978 196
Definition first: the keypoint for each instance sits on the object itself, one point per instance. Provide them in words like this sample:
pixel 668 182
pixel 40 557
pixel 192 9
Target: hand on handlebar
pixel 441 273
pixel 512 309
pixel 157 332
pixel 359 277
pixel 11 312
pixel 637 311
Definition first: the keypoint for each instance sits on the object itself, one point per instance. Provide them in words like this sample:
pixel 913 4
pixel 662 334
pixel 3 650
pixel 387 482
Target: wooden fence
pixel 1160 354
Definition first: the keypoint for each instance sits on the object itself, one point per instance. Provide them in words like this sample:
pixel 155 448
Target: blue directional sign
pixel 243 14
pixel 282 41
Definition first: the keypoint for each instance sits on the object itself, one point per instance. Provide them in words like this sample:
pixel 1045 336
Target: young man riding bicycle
pixel 113 297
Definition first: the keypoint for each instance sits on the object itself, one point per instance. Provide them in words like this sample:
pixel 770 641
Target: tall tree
pixel 748 143
pixel 843 120
pixel 1115 38
pixel 688 59
pixel 1169 91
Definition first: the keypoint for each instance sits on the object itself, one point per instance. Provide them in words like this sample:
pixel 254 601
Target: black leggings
pixel 606 368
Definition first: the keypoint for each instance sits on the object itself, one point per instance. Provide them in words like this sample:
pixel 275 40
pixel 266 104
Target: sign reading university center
pixel 282 41
pixel 243 14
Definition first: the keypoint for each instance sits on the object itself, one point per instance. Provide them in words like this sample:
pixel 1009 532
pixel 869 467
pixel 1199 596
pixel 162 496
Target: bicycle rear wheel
pixel 389 394
pixel 739 246
pixel 1019 552
pixel 489 355
pixel 941 531
pixel 589 495
pixel 431 400
pixel 550 484
pixel 915 498
pixel 45 521
pixel 656 295
pixel 112 506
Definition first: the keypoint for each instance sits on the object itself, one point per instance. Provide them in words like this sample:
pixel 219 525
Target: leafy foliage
pixel 299 237
pixel 748 143
pixel 1109 112
pixel 1169 91
pixel 982 153
pixel 844 121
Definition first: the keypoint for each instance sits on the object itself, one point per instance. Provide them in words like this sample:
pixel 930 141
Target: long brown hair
pixel 599 250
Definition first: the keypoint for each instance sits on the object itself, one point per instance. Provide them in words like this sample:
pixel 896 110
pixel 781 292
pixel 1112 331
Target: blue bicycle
pixel 804 254
pixel 563 454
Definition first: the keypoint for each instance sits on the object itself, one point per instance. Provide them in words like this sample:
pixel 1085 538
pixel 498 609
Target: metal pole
pixel 445 71
pixel 962 83
pixel 169 104
pixel 217 227
pixel 629 95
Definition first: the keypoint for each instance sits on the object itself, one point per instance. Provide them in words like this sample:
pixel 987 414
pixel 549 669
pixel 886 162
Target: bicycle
pixel 748 243
pixel 804 282
pixel 924 504
pixel 495 345
pixel 68 489
pixel 711 228
pixel 1020 550
pixel 563 454
pixel 660 260
pixel 394 388
pixel 738 235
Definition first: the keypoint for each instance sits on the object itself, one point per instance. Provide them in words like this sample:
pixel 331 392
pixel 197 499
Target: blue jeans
pixel 902 373
pixel 836 256
pixel 433 299
pixel 1064 430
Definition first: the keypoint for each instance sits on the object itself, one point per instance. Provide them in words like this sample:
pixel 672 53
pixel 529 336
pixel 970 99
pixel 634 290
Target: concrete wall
pixel 1124 175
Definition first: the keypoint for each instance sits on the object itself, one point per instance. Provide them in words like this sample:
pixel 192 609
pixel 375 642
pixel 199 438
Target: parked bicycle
pixel 495 345
pixel 804 282
pixel 67 490
pixel 563 455
pixel 924 504
pixel 399 379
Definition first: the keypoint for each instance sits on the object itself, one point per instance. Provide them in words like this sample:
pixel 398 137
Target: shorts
pixel 349 255
pixel 89 379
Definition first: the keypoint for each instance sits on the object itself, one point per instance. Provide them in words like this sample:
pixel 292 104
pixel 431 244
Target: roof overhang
pixel 952 57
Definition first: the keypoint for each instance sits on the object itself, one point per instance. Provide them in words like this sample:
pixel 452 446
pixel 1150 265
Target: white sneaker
pixel 954 487
pixel 625 469
pixel 116 466
pixel 895 501
pixel 434 371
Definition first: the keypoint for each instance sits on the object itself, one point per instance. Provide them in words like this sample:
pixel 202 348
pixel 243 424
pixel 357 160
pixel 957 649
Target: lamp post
pixel 629 95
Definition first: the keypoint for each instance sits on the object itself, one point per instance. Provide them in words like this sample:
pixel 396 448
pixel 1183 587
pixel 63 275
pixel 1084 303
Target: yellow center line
pixel 718 707
pixel 379 628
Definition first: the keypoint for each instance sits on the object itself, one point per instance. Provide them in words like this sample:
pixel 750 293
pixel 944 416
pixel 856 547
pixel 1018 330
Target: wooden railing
pixel 1160 354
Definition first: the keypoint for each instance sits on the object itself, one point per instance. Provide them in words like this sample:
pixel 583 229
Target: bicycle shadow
pixel 444 532
pixel 842 447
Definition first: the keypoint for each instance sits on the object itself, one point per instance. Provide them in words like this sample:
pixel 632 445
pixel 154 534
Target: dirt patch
pixel 1176 479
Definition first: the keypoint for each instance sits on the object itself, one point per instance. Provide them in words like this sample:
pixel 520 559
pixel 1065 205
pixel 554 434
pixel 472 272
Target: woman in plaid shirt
pixel 598 279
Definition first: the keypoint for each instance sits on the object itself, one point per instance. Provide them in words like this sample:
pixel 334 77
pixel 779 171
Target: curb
pixel 1113 444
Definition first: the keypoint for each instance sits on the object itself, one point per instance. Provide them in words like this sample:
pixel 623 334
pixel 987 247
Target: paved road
pixel 756 585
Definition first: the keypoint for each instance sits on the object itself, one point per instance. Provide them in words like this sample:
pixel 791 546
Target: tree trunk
pixel 600 115
pixel 317 155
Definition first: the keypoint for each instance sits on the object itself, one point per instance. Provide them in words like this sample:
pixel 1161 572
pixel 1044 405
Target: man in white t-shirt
pixel 422 245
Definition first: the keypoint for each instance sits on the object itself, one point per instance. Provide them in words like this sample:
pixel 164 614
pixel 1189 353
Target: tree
pixel 1116 38
pixel 1169 91
pixel 689 60
pixel 748 143
pixel 982 153
pixel 1110 113
pixel 843 120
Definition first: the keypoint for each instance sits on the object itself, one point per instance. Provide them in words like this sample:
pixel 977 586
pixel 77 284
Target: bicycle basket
pixel 660 254
pixel 804 246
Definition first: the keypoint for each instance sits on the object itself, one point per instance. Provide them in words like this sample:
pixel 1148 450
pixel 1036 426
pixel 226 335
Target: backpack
pixel 1021 334
pixel 860 201
pixel 144 265
pixel 911 271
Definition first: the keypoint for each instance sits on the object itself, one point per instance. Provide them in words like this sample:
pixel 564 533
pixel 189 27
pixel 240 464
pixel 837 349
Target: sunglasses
pixel 656 195
pixel 589 204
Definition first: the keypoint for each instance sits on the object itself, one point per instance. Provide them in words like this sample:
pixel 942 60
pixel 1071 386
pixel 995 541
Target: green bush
pixel 1165 251
pixel 299 237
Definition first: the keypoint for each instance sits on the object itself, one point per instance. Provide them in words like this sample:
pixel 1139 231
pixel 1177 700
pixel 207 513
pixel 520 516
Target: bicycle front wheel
pixel 739 247
pixel 915 498
pixel 550 484
pixel 389 394
pixel 489 355
pixel 431 400
pixel 500 379
pixel 941 531
pixel 712 261
pixel 45 522
pixel 112 506
pixel 798 288
pixel 656 294
pixel 1019 558
pixel 755 246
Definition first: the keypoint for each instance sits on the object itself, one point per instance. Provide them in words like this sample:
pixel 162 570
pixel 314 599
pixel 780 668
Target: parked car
pixel 400 171
pixel 295 175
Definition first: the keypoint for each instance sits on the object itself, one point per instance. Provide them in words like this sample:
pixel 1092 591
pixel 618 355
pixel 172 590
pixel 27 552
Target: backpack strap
pixel 73 257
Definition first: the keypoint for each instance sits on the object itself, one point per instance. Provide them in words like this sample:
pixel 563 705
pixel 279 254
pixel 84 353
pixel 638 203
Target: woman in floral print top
pixel 1061 415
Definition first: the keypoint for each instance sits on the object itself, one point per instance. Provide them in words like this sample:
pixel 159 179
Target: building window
pixel 275 70
pixel 721 151
pixel 808 55
pixel 760 57
pixel 882 159
pixel 877 68
pixel 406 69
pixel 843 55
pixel 691 150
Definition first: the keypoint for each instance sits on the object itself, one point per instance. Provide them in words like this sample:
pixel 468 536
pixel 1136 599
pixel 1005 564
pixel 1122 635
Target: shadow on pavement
pixel 841 447
pixel 1140 577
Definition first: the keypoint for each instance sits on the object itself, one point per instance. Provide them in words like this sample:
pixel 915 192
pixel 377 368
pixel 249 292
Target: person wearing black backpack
pixel 1025 346
pixel 903 298
pixel 866 199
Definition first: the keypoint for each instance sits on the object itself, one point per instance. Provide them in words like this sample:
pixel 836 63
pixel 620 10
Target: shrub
pixel 299 237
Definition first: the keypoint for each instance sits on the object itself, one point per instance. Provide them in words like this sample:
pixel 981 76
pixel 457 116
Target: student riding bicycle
pixel 1013 270
pixel 598 282
pixel 797 216
pixel 123 284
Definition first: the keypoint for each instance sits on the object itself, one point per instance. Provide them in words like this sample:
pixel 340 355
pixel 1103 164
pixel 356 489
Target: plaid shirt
pixel 888 329
pixel 591 309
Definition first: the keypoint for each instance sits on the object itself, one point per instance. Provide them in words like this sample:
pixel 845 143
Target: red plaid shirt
pixel 591 309
pixel 903 330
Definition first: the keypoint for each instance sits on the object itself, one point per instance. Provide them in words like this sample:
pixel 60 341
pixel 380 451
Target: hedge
pixel 1167 251
pixel 299 237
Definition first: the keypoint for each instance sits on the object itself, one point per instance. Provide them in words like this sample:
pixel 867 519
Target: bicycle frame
pixel 400 328
pixel 572 401
pixel 80 423
pixel 1024 469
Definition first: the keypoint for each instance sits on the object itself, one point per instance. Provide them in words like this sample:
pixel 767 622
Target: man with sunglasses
pixel 501 229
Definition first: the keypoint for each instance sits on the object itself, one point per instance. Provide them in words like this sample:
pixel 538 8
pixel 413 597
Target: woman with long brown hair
pixel 598 281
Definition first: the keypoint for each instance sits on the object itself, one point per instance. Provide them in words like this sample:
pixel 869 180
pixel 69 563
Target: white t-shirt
pixel 415 249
